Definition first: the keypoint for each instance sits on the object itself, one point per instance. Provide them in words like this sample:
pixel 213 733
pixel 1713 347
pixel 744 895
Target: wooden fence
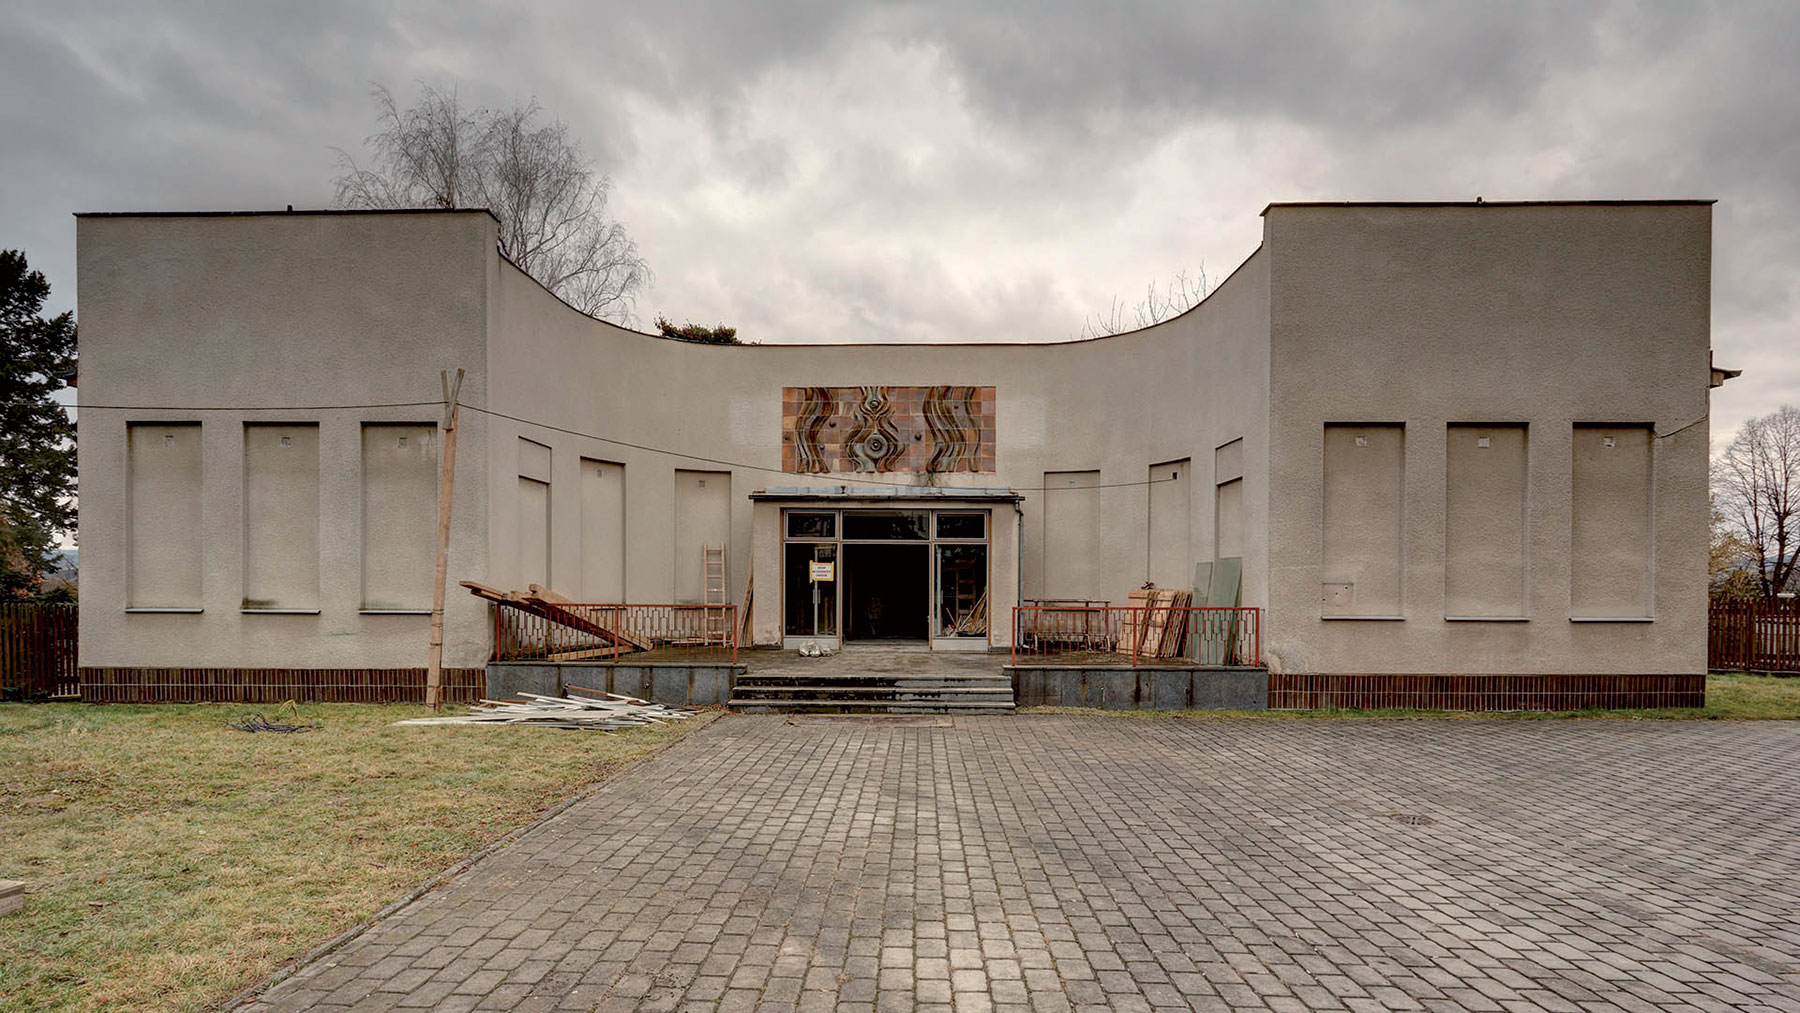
pixel 37 651
pixel 1759 636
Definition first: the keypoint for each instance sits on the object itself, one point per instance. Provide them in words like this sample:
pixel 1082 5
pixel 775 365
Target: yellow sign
pixel 822 571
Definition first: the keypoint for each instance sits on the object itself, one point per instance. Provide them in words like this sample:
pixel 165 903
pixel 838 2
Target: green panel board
pixel 1222 592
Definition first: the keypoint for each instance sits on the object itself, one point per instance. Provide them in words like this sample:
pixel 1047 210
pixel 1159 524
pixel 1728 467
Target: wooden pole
pixel 434 675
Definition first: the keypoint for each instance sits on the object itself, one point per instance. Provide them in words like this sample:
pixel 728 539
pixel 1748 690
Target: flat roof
pixel 289 211
pixel 1479 203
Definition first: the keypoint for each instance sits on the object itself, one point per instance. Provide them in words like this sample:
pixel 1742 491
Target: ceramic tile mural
pixel 887 429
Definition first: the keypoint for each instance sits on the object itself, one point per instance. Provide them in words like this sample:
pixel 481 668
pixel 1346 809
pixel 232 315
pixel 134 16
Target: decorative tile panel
pixel 941 429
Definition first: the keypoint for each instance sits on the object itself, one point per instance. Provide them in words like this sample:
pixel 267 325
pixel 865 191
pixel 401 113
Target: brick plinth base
pixel 1485 692
pixel 274 685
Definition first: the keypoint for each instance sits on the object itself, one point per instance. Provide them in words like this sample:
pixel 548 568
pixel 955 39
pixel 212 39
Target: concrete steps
pixel 912 692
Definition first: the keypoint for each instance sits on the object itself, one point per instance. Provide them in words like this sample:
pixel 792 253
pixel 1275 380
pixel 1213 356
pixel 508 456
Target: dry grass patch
pixel 172 861
pixel 1728 696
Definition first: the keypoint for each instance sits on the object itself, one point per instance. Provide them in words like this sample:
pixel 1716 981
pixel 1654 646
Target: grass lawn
pixel 171 861
pixel 1739 696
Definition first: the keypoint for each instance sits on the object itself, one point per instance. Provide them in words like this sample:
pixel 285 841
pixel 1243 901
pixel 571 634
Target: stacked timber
pixel 1155 623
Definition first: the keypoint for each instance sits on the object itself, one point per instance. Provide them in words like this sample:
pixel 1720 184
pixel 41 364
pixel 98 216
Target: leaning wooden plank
pixel 494 594
pixel 599 622
pixel 599 614
pixel 590 653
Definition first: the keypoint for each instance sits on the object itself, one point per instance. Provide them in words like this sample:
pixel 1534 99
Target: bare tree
pixel 531 175
pixel 1757 482
pixel 1183 293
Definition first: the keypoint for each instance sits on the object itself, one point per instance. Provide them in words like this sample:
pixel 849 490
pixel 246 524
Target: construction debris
pixel 602 712
pixel 258 723
pixel 12 895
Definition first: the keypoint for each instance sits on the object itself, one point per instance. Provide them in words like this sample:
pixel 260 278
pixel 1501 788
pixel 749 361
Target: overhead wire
pixel 647 448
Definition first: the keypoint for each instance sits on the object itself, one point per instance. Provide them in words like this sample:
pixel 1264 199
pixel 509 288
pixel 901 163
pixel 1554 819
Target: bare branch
pixel 1183 293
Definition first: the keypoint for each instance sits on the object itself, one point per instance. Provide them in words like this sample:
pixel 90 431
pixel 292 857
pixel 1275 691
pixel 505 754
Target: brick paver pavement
pixel 1049 863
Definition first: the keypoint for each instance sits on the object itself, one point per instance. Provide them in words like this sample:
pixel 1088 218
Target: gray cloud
pixel 937 171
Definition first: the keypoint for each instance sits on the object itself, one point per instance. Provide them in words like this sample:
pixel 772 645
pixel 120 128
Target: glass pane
pixel 962 525
pixel 811 525
pixel 885 525
pixel 798 622
pixel 962 609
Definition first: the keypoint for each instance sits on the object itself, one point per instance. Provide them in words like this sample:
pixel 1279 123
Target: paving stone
pixel 1070 863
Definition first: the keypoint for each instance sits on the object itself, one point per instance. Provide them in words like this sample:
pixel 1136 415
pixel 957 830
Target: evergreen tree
pixel 37 437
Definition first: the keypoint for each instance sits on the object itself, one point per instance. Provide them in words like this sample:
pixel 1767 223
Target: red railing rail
pixel 37 650
pixel 1084 635
pixel 607 631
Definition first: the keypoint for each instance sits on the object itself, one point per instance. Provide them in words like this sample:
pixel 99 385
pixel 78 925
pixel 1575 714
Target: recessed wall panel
pixel 1228 519
pixel 1361 551
pixel 281 516
pixel 1071 534
pixel 399 514
pixel 702 518
pixel 534 532
pixel 602 531
pixel 1609 551
pixel 1484 521
pixel 1171 510
pixel 163 515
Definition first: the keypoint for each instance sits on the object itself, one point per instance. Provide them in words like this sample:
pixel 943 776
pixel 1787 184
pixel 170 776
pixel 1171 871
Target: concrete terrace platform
pixel 1055 863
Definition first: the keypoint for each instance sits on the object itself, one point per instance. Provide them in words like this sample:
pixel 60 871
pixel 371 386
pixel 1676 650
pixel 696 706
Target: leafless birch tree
pixel 532 175
pixel 1757 485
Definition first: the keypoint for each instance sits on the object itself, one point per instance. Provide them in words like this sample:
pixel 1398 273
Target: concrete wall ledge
pixel 1121 687
pixel 688 685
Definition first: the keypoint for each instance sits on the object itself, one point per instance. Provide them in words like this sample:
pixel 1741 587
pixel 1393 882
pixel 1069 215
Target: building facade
pixel 1455 441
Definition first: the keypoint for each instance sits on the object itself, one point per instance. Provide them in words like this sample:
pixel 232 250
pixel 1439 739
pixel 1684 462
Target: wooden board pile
pixel 1155 624
pixel 601 712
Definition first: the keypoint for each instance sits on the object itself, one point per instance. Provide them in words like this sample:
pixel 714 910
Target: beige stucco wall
pixel 184 313
pixel 1546 315
pixel 1424 316
pixel 1117 405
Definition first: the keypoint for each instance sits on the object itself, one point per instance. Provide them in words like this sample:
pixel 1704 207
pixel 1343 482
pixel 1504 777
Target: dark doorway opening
pixel 887 592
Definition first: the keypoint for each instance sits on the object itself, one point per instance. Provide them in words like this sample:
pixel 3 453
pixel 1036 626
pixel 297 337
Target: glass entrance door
pixel 893 574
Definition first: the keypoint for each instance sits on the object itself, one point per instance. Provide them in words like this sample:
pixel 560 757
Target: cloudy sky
pixel 955 171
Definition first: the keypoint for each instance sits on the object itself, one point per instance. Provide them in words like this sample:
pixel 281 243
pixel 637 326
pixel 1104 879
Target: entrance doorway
pixel 887 591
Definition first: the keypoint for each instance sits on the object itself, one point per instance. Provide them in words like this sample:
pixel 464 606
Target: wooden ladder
pixel 712 583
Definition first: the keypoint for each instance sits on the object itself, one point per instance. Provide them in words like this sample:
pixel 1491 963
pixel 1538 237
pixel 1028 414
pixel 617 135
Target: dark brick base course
pixel 274 685
pixel 1485 692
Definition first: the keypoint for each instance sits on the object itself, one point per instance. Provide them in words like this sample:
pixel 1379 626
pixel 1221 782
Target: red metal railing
pixel 37 650
pixel 647 634
pixel 1085 635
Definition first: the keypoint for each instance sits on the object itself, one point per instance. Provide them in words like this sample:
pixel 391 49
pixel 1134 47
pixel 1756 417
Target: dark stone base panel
pixel 1162 688
pixel 274 685
pixel 674 685
pixel 1485 692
